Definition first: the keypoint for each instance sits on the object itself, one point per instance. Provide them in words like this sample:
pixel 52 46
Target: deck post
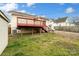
pixel 40 30
pixel 21 32
pixel 32 31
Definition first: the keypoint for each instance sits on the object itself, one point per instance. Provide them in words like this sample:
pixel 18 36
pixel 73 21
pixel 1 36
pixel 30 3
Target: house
pixel 50 24
pixel 3 31
pixel 63 22
pixel 26 23
pixel 59 22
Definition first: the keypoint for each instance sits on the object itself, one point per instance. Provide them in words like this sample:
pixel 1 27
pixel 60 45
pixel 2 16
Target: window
pixel 37 22
pixel 30 22
pixel 22 21
pixel 41 23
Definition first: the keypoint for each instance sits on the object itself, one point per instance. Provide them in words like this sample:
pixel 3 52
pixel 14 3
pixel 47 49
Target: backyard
pixel 46 44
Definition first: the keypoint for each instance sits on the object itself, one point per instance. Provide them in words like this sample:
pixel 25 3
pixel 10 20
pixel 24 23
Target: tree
pixel 76 20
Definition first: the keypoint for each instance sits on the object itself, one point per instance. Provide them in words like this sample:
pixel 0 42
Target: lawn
pixel 46 44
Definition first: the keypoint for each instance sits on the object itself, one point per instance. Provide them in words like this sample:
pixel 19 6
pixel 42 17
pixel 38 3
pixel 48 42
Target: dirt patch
pixel 68 35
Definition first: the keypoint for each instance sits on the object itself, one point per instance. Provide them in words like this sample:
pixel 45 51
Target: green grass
pixel 46 44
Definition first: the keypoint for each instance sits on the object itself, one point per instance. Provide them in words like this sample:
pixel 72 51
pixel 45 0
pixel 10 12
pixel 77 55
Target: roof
pixel 4 16
pixel 17 13
pixel 25 15
pixel 43 17
pixel 60 20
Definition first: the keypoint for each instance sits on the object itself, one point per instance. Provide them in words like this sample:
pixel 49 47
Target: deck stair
pixel 47 29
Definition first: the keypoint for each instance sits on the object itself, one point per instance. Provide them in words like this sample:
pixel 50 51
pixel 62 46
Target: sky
pixel 49 10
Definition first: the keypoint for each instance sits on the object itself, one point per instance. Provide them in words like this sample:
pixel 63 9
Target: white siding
pixel 65 24
pixel 3 34
pixel 13 23
pixel 50 23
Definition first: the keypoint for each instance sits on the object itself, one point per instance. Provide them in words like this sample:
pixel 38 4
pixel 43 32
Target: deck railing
pixel 27 22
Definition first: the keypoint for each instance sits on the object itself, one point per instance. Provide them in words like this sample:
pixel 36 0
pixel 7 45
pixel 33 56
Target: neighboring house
pixel 24 23
pixel 3 31
pixel 63 22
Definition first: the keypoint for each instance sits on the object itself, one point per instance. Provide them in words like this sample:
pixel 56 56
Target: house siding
pixel 21 20
pixel 3 34
pixel 13 23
